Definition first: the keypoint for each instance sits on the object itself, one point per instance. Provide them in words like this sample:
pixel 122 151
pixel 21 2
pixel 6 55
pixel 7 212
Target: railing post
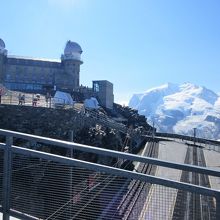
pixel 50 102
pixel 7 177
pixel 217 206
pixel 71 140
pixel 10 99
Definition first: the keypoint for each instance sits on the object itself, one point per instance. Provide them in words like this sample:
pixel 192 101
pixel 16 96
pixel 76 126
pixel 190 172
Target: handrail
pixel 11 150
pixel 112 153
pixel 189 138
pixel 116 171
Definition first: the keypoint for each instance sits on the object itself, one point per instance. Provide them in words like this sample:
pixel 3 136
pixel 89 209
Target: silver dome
pixel 72 48
pixel 2 44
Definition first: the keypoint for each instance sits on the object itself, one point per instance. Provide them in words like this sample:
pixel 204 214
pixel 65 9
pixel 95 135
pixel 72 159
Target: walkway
pixel 161 200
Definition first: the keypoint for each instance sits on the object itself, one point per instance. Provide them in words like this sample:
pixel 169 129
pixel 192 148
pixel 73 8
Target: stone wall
pixel 54 123
pixel 57 123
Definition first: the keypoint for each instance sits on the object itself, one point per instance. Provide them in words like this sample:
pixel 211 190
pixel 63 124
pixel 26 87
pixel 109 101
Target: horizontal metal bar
pixel 117 171
pixel 106 152
pixel 2 146
pixel 189 138
pixel 20 215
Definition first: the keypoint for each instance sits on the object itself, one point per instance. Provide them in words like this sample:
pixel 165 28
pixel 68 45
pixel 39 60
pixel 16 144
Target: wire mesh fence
pixel 27 99
pixel 48 186
pixel 169 203
pixel 36 100
pixel 39 187
pixel 1 175
pixel 49 190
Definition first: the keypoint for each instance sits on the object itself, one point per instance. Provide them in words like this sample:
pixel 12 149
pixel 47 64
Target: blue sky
pixel 136 44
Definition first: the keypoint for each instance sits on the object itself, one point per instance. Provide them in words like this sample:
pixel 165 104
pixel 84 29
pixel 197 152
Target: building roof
pixel 34 58
pixel 72 47
pixel 2 44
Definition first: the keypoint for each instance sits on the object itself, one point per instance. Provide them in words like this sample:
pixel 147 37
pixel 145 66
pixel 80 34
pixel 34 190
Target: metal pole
pixel 10 99
pixel 71 135
pixel 217 206
pixel 194 134
pixel 71 140
pixel 153 133
pixel 7 178
pixel 50 101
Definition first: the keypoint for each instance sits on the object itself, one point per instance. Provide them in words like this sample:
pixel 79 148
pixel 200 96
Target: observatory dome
pixel 72 51
pixel 72 48
pixel 2 44
pixel 2 47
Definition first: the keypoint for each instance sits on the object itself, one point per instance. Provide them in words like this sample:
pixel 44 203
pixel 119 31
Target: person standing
pixel 34 102
pixel 1 93
pixel 48 99
pixel 23 99
pixel 19 99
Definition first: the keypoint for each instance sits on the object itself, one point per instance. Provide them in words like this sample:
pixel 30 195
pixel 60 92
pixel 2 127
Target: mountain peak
pixel 177 108
pixel 165 86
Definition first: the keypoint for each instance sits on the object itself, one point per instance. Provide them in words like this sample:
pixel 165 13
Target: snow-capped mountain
pixel 180 108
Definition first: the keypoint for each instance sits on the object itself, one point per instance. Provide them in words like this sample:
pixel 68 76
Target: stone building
pixel 40 75
pixel 33 74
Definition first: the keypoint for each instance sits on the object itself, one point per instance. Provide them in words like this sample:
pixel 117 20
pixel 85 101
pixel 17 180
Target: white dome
pixel 2 44
pixel 72 48
pixel 72 51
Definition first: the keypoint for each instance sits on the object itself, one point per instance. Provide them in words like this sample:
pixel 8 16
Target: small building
pixel 104 92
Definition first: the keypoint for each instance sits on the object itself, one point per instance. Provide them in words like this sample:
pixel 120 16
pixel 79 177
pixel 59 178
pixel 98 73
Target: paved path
pixel 213 161
pixel 11 218
pixel 161 200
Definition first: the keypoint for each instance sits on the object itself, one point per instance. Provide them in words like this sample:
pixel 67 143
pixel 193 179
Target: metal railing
pixel 37 100
pixel 200 142
pixel 40 185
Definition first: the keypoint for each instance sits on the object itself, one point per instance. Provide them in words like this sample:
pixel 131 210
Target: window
pixel 96 87
pixel 8 76
pixel 29 86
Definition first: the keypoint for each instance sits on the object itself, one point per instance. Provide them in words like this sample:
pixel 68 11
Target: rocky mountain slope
pixel 180 108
